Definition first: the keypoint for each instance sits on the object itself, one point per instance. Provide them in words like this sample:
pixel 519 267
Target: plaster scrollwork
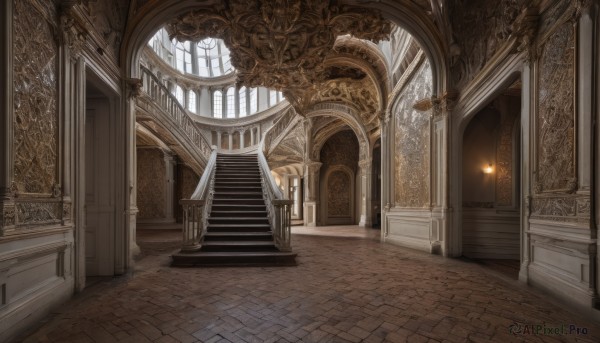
pixel 525 28
pixel 74 36
pixel 279 44
pixel 556 112
pixel 480 29
pixel 35 100
pixel 57 190
pixel 412 143
pixel 339 193
pixel 8 216
pixel 135 87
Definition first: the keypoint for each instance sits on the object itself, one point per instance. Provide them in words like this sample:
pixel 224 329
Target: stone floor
pixel 347 287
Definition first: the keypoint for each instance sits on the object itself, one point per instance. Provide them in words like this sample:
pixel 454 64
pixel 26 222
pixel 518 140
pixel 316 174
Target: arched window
pixel 192 101
pixel 231 102
pixel 272 98
pixel 183 57
pixel 179 95
pixel 253 101
pixel 218 104
pixel 242 99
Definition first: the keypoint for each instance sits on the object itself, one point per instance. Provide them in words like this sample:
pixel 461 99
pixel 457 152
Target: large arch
pixel 149 17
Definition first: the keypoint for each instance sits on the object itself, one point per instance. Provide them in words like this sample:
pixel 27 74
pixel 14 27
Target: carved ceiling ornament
pixel 279 44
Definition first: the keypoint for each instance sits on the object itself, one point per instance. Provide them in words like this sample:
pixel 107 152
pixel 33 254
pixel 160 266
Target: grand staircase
pixel 238 231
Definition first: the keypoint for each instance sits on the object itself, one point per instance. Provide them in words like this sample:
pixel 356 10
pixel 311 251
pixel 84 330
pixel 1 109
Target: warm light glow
pixel 488 169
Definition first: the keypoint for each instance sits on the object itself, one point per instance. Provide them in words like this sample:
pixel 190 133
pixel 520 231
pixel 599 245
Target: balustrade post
pixel 192 224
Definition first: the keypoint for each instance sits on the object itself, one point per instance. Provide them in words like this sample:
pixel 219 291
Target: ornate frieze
pixel 39 212
pixel 556 112
pixel 411 141
pixel 338 194
pixel 35 100
pixel 108 18
pixel 279 44
pixel 563 207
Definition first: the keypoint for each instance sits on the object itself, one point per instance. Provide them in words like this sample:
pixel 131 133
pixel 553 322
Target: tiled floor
pixel 346 287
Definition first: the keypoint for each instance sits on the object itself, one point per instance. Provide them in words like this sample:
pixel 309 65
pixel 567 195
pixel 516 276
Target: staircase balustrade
pixel 161 95
pixel 278 208
pixel 275 133
pixel 196 209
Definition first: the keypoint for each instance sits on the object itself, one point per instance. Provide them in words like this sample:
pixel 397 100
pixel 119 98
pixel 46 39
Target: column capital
pixel 312 167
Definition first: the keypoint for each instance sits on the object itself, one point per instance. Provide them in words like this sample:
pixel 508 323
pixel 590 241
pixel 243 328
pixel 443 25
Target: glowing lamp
pixel 488 169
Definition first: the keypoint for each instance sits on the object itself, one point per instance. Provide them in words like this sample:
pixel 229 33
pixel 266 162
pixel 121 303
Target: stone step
pixel 238 220
pixel 238 228
pixel 238 214
pixel 225 246
pixel 238 195
pixel 239 236
pixel 238 202
pixel 241 258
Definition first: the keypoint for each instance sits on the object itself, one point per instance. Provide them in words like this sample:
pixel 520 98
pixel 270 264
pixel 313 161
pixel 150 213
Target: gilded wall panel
pixel 555 118
pixel 504 160
pixel 412 136
pixel 35 99
pixel 338 194
pixel 151 182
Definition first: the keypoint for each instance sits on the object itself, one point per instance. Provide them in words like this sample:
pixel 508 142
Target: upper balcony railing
pixel 160 94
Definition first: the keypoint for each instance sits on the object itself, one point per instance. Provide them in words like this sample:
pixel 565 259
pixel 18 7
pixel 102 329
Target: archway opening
pixel 491 165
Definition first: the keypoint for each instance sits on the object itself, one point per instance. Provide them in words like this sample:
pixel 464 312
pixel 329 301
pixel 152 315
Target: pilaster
pixel 366 179
pixel 7 206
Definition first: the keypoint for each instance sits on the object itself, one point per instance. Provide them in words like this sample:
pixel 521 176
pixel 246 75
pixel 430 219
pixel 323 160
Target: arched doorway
pixel 491 164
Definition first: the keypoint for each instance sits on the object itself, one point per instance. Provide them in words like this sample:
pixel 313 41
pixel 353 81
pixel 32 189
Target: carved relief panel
pixel 411 141
pixel 35 98
pixel 151 182
pixel 339 194
pixel 504 159
pixel 556 112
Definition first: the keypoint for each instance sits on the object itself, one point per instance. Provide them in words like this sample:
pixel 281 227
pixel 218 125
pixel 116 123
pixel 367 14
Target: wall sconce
pixel 488 169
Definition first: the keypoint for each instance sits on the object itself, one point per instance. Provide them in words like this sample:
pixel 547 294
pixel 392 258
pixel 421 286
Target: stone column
pixel 366 179
pixel 7 206
pixel 387 171
pixel 170 187
pixel 252 136
pixel 230 140
pixel 311 192
pixel 218 140
pixel 242 137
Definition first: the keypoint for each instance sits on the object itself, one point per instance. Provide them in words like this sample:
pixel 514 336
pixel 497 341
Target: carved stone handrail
pixel 278 208
pixel 279 130
pixel 196 209
pixel 160 94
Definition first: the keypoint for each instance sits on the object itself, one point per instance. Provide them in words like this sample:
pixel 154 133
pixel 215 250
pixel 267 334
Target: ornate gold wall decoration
pixel 35 100
pixel 338 194
pixel 556 113
pixel 340 149
pixel 504 159
pixel 574 208
pixel 279 44
pixel 412 170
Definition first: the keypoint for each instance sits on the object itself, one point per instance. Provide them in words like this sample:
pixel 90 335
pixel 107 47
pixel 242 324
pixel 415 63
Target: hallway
pixel 346 287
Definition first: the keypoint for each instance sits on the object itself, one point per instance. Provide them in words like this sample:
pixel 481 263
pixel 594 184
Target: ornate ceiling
pixel 280 44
